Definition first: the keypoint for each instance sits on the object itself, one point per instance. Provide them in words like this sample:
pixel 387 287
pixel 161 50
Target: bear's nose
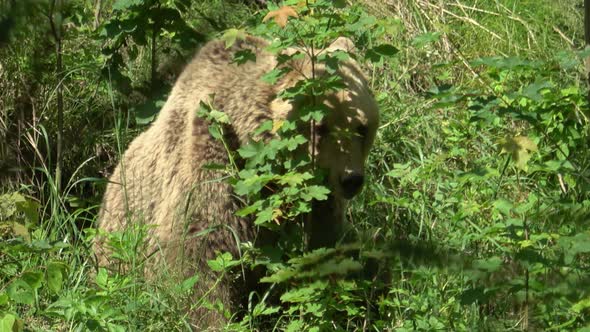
pixel 352 184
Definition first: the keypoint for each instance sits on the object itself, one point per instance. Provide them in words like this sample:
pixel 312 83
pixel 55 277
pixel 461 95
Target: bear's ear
pixel 341 44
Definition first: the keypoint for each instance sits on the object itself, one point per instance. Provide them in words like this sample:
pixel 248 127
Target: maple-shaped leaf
pixel 520 148
pixel 281 15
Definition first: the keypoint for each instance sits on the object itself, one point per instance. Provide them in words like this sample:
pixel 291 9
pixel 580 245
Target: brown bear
pixel 161 180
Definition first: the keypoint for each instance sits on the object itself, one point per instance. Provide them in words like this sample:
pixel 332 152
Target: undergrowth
pixel 475 215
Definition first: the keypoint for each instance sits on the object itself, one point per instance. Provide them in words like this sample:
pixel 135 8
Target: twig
pixel 561 183
pixel 60 108
pixel 521 21
pixel 562 35
pixel 97 13
pixel 466 19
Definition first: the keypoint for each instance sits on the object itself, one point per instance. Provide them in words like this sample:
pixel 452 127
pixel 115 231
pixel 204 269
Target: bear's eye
pixel 322 129
pixel 362 131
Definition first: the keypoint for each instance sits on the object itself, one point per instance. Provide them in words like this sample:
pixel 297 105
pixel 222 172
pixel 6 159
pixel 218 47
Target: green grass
pixel 438 177
pixel 466 239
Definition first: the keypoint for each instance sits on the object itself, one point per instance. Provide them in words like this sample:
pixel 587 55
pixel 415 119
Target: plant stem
pixel 55 30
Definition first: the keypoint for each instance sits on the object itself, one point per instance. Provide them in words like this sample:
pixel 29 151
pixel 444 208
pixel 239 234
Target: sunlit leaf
pixel 22 231
pixel 581 305
pixel 188 284
pixel 231 35
pixel 504 206
pixel 276 125
pixel 295 326
pixel 21 292
pixel 281 15
pixel 222 262
pixel 55 276
pixel 305 293
pixel 8 323
pixel 125 4
pixel 30 208
pixel 519 147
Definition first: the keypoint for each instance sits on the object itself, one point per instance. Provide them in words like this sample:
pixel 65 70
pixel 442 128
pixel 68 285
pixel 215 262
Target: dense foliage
pixel 476 214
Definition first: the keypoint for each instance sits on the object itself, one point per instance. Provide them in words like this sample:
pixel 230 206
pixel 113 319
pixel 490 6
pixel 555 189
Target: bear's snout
pixel 352 184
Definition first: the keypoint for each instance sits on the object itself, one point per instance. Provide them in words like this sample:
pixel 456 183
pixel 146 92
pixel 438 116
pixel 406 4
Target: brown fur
pixel 161 181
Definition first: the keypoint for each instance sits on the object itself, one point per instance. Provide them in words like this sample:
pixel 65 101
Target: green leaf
pixel 581 305
pixel 425 39
pixel 266 126
pixel 557 165
pixel 261 310
pixel 295 326
pixel 474 295
pixel 21 292
pixel 304 294
pixel 251 184
pixel 294 179
pixel 294 142
pixel 490 265
pixel 146 113
pixel 243 56
pixel 102 278
pixel 399 170
pixel 188 284
pixel 574 245
pixel 221 262
pixel 125 4
pixel 280 276
pixel 319 193
pixel 273 76
pixel 377 53
pixel 251 149
pixel 231 35
pixel 264 216
pixel 215 132
pixel 339 3
pixel 22 231
pixel 219 117
pixel 249 209
pixel 7 323
pixel 33 278
pixel 3 298
pixel 214 166
pixel 55 276
pixel 116 327
pixel 519 148
pixel 533 91
pixel 316 309
pixel 342 267
pixel 29 208
pixel 315 112
pixel 504 206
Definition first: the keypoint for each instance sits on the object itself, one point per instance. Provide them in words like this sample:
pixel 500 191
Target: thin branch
pixel 60 108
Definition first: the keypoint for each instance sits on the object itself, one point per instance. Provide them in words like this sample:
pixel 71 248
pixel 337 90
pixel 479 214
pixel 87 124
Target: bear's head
pixel 346 133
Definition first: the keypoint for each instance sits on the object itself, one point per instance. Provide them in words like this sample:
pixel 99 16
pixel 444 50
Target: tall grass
pixel 474 242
